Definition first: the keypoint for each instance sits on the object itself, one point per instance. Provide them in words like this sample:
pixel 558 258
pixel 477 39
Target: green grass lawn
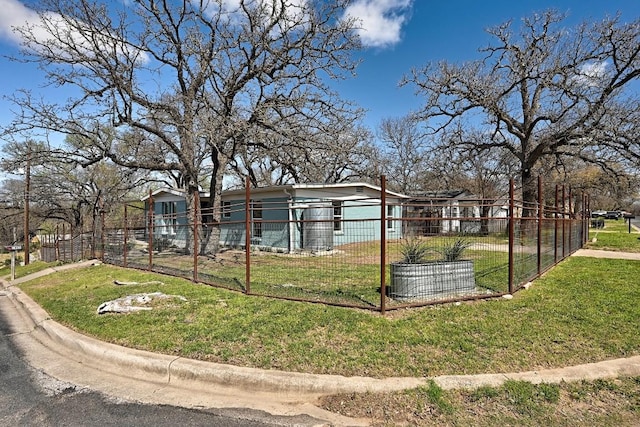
pixel 614 236
pixel 583 310
pixel 350 275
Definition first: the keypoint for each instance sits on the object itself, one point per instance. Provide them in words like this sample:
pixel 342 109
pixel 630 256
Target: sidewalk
pixel 161 379
pixel 594 253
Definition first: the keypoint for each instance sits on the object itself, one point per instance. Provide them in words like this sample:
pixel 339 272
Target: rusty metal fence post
pixel 511 234
pixel 196 214
pixel 63 240
pixel 540 224
pixel 150 226
pixel 71 241
pixel 57 243
pixel 564 241
pixel 555 228
pixel 82 243
pixel 570 213
pixel 587 218
pixel 247 235
pixel 102 230
pixel 124 230
pixel 383 243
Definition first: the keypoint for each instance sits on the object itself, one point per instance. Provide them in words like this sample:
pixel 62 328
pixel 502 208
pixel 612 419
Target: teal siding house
pixel 288 218
pixel 169 219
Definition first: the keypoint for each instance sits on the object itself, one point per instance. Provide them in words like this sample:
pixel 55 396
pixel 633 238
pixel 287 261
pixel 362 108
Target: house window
pixel 169 219
pixel 226 209
pixel 390 221
pixel 256 219
pixel 337 216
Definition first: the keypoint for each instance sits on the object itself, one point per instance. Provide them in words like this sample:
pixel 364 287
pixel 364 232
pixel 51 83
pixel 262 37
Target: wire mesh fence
pixel 364 252
pixel 66 244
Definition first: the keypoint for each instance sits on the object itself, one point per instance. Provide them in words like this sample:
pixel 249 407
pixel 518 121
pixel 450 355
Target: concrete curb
pixel 194 374
pixel 183 372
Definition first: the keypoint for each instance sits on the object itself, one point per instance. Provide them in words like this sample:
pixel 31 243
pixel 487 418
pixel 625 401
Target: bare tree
pixel 542 90
pixel 405 154
pixel 331 155
pixel 415 162
pixel 188 82
pixel 606 190
pixel 485 173
pixel 64 190
pixel 339 157
pixel 12 211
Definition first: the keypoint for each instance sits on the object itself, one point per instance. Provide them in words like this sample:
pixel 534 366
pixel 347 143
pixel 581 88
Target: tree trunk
pixel 529 205
pixel 529 194
pixel 484 217
pixel 191 200
pixel 211 237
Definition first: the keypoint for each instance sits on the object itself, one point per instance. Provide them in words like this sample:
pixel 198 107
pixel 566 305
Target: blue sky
pixel 398 35
pixel 451 30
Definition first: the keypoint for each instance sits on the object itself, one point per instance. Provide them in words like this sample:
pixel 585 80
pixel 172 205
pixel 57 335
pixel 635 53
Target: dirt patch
pixel 401 409
pixel 614 402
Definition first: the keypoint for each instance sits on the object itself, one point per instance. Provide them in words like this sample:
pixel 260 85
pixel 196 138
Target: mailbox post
pixel 13 249
pixel 629 217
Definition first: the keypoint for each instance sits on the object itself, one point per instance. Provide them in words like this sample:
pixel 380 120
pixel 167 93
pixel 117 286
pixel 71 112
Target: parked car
pixel 612 215
pixel 598 214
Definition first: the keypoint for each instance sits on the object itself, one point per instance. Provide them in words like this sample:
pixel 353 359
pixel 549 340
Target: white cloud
pixel 295 11
pixel 380 21
pixel 43 29
pixel 15 14
pixel 591 74
pixel 53 31
pixel 594 70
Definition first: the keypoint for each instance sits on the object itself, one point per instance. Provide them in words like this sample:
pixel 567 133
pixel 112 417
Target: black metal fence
pixel 355 254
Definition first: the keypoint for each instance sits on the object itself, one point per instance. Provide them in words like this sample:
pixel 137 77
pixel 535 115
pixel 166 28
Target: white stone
pixel 133 303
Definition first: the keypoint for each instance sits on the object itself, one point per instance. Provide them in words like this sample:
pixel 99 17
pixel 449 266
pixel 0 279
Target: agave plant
pixel 414 251
pixel 453 251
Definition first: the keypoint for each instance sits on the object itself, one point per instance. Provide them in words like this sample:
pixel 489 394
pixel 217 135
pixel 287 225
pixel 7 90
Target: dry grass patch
pixel 613 402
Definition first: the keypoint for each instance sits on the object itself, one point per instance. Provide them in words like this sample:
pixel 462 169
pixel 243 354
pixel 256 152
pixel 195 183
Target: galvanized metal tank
pixel 317 227
pixel 435 279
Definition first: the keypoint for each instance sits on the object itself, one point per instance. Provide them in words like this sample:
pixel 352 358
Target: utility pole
pixel 27 189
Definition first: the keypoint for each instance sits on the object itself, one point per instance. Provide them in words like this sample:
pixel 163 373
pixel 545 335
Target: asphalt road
pixel 31 398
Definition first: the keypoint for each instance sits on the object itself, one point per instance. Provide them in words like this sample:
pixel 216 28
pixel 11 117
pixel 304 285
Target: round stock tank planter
pixel 432 279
